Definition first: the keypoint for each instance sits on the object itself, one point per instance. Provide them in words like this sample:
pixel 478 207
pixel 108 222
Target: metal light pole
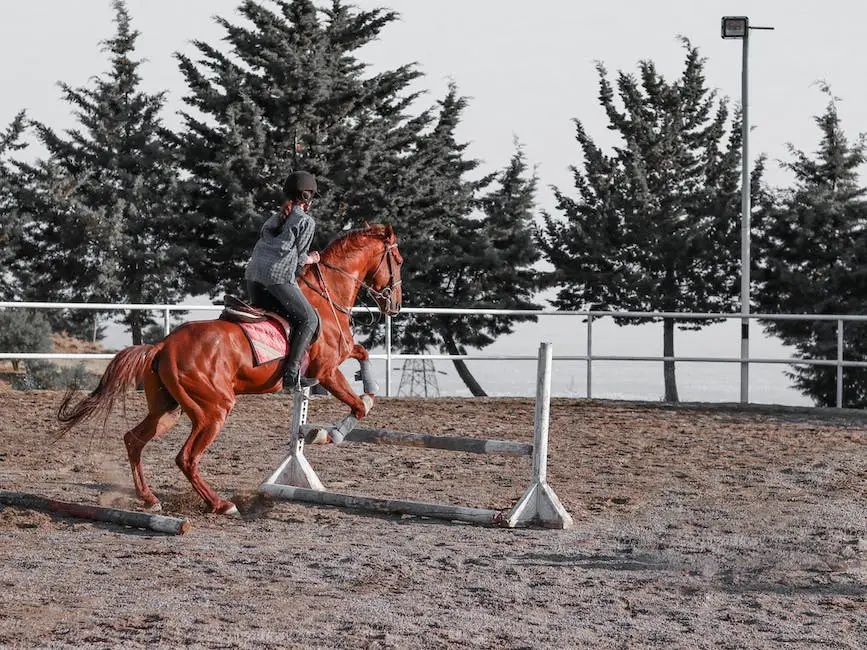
pixel 739 27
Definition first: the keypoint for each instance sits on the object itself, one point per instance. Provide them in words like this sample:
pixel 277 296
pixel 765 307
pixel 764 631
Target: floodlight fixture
pixel 735 26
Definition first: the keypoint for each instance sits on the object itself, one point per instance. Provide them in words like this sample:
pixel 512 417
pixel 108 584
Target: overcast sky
pixel 527 66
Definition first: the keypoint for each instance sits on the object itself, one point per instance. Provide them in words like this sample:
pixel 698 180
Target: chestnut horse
pixel 202 366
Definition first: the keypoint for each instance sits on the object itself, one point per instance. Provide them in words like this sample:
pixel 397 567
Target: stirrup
pixel 302 382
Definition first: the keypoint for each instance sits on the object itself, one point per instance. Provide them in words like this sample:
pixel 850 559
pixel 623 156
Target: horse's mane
pixel 351 240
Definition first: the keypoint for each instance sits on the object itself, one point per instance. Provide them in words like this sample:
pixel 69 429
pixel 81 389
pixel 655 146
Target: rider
pixel 278 257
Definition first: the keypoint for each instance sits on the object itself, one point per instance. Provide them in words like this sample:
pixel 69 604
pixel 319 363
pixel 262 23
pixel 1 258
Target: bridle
pixel 384 297
pixel 386 294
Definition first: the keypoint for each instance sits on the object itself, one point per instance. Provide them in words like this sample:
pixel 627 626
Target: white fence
pixel 589 317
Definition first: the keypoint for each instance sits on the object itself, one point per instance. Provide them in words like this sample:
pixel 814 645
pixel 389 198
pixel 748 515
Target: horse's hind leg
pixel 163 414
pixel 207 422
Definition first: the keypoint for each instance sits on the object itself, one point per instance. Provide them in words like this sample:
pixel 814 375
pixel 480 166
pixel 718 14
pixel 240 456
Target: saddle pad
pixel 268 340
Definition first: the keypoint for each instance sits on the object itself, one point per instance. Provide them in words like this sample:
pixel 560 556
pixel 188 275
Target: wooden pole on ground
pixel 147 521
pixel 481 516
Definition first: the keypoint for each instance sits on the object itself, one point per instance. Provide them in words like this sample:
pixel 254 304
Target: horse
pixel 201 367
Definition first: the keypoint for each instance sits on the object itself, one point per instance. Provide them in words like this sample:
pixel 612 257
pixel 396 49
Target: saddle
pixel 236 310
pixel 267 333
pixel 258 326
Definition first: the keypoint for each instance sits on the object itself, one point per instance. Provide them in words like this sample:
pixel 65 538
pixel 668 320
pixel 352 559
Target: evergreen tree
pixel 499 274
pixel 10 141
pixel 656 224
pixel 465 249
pixel 290 95
pixel 440 241
pixel 812 252
pixel 100 211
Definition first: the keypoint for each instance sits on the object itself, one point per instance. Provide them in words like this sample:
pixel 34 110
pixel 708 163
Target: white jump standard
pixel 296 480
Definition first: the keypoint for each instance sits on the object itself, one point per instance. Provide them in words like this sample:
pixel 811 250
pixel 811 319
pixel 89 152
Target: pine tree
pixel 20 330
pixel 812 252
pixel 291 95
pixel 464 248
pixel 656 224
pixel 439 239
pixel 498 272
pixel 10 141
pixel 101 208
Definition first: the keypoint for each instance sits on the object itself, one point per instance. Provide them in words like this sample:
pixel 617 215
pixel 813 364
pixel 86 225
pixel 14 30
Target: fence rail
pixel 590 315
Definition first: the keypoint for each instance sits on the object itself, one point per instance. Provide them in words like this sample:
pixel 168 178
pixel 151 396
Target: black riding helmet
pixel 297 183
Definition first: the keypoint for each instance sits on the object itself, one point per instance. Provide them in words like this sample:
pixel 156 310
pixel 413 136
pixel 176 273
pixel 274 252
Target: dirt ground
pixel 695 527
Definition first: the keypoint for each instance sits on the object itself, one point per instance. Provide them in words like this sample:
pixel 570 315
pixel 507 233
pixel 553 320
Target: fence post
pixel 167 321
pixel 388 356
pixel 745 356
pixel 840 363
pixel 589 355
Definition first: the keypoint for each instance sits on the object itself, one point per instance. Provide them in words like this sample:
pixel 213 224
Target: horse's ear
pixel 366 226
pixel 389 231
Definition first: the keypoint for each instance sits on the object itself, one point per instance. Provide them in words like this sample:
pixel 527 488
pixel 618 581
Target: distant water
pixel 627 380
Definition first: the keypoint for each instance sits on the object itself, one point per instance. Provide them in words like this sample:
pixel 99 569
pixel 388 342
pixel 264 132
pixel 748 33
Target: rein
pixel 333 306
pixel 325 293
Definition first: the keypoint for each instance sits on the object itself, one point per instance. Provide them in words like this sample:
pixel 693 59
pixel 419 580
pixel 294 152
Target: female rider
pixel 278 258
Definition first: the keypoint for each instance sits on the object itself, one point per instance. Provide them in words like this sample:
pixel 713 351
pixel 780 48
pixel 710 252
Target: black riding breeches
pixel 288 300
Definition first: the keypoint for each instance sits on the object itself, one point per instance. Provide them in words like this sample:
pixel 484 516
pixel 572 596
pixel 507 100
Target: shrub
pixel 24 330
pixel 44 375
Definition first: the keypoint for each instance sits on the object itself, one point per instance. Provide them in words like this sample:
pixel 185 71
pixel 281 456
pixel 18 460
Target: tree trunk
pixel 136 332
pixel 461 366
pixel 135 326
pixel 668 366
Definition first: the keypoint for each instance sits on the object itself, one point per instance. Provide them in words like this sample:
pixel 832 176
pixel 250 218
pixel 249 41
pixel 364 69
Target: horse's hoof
pixel 318 437
pixel 367 400
pixel 232 511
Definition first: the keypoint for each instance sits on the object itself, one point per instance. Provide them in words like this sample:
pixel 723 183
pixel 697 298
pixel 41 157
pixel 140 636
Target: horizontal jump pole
pixel 429 441
pixel 390 506
pixel 147 521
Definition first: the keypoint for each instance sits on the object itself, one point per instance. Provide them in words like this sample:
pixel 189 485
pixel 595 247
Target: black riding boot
pixel 292 380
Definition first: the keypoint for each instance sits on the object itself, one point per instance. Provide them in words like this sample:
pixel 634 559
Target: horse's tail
pixel 126 369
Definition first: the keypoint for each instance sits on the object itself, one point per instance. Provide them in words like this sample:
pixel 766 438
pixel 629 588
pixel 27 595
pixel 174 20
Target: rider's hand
pixel 313 257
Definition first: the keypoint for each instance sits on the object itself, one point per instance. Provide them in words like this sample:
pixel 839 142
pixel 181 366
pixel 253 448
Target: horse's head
pixel 383 277
pixel 368 256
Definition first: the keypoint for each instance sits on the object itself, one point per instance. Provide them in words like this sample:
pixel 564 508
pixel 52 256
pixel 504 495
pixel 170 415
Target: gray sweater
pixel 279 255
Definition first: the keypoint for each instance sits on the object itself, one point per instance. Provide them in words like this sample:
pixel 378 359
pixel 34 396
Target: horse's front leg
pixel 336 383
pixel 370 387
